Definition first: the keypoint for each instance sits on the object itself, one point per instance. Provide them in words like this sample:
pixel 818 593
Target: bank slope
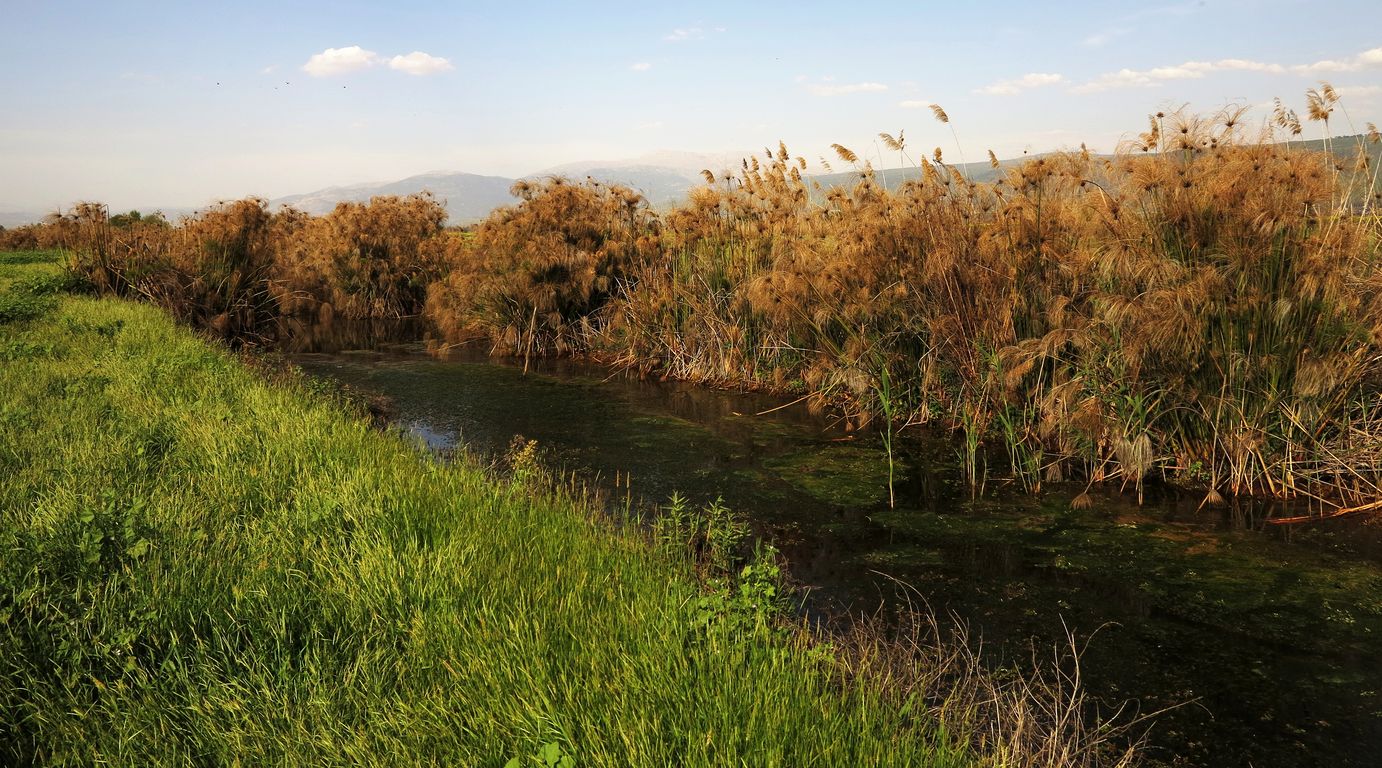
pixel 200 565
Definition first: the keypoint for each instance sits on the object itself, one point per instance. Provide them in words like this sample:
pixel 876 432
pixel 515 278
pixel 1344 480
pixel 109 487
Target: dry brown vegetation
pixel 1207 303
pixel 236 268
pixel 1043 716
pixel 537 276
pixel 372 260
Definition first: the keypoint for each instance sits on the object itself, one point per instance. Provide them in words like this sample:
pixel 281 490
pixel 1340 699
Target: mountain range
pixel 664 178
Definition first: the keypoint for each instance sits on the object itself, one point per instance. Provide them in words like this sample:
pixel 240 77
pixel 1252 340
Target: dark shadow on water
pixel 300 336
pixel 1273 634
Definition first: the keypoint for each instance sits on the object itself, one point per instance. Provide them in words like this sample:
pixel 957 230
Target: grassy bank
pixel 201 566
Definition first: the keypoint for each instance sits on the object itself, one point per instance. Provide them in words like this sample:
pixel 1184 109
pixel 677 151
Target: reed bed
pixel 1204 305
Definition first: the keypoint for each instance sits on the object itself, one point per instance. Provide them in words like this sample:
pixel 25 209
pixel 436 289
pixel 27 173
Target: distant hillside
pixel 469 197
pixel 1345 147
pixel 892 178
pixel 661 186
pixel 18 218
pixel 664 178
pixel 1342 145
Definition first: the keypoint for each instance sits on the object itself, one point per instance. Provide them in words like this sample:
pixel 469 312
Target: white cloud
pixel 1365 60
pixel 832 89
pixel 689 33
pixel 1190 70
pixel 1358 90
pixel 641 66
pixel 1104 36
pixel 1245 65
pixel 648 126
pixel 692 33
pixel 353 58
pixel 914 104
pixel 269 70
pixel 339 61
pixel 418 63
pixel 1026 82
pixel 1320 67
pixel 1123 78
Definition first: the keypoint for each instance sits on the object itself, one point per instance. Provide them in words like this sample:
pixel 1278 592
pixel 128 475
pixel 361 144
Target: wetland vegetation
pixel 203 550
pixel 206 560
pixel 1205 305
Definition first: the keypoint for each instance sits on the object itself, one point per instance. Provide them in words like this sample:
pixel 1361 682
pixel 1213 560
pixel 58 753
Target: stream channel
pixel 1268 640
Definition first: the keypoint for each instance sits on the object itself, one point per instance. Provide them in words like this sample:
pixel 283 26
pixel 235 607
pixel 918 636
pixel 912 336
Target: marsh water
pixel 1264 641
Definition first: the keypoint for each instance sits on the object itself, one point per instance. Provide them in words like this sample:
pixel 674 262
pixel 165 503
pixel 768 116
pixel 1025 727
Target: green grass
pixel 201 566
pixel 17 266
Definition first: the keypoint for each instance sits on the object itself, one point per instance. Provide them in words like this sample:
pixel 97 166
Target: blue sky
pixel 168 104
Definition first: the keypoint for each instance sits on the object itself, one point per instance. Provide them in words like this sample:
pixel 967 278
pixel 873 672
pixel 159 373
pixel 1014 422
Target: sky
pixel 144 104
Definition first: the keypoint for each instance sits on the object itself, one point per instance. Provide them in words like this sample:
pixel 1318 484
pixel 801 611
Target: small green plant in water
pixel 712 535
pixel 746 603
pixel 888 404
pixel 736 599
pixel 523 460
pixel 1024 452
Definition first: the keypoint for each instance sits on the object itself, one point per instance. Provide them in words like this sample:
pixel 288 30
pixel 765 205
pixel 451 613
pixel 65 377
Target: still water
pixel 1267 644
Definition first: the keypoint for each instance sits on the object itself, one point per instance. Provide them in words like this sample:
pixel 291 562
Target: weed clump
pixel 537 278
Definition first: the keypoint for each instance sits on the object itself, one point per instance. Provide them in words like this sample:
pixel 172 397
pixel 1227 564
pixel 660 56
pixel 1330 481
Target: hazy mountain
pixel 18 218
pixel 687 164
pixel 1346 146
pixel 892 178
pixel 468 196
pixel 661 186
pixel 663 178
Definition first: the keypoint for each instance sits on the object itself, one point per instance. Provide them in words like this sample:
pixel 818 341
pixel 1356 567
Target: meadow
pixel 1204 306
pixel 212 560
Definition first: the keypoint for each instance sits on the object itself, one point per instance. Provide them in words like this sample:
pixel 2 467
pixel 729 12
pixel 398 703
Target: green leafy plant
pixel 549 755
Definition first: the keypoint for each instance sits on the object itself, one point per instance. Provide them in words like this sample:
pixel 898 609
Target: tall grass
pixel 237 268
pixel 362 260
pixel 1206 304
pixel 537 276
pixel 202 566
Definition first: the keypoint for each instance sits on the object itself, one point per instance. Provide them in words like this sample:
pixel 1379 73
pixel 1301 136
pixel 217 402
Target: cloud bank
pixel 1192 70
pixel 1026 82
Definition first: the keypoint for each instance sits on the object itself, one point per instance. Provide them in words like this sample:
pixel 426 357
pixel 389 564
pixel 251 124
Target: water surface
pixel 1268 640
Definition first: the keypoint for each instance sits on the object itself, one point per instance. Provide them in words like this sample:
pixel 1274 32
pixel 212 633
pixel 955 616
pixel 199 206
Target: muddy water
pixel 1270 644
